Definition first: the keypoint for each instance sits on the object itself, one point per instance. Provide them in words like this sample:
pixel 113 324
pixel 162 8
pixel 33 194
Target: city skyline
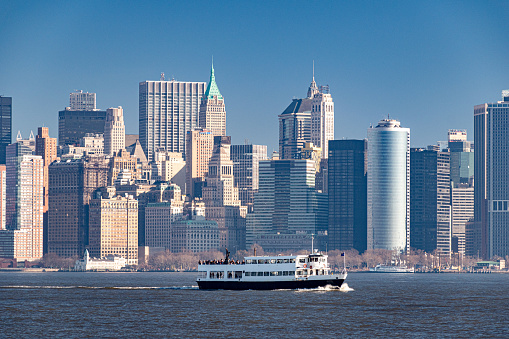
pixel 418 62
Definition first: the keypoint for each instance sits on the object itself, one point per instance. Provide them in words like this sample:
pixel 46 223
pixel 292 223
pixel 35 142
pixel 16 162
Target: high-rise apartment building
pixel 246 159
pixel 200 144
pixel 287 208
pixel 114 228
pixel 491 178
pixel 71 186
pixel 212 109
pixel 82 101
pixel 114 131
pixel 5 126
pixel 347 191
pixel 167 111
pixel 75 124
pixel 388 186
pixel 24 204
pixel 430 201
pixel 221 197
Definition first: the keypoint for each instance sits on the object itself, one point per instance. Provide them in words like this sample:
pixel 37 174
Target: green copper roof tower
pixel 212 109
pixel 212 89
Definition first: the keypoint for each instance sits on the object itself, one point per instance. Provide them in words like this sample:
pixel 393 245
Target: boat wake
pixel 327 288
pixel 194 287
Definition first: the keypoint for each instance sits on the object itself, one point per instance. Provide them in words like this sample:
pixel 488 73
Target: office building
pixel 5 126
pixel 114 131
pixel 71 187
pixel 322 119
pixel 287 209
pixel 168 110
pixel 347 191
pixel 195 236
pixel 246 159
pixel 221 197
pixel 3 196
pixel 23 237
pixel 294 127
pixel 82 101
pixel 113 223
pixel 46 147
pixel 388 186
pixel 200 144
pixel 491 177
pixel 75 124
pixel 430 201
pixel 212 109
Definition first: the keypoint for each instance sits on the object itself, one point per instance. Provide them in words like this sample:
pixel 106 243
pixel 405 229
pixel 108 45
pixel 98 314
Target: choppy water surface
pixel 78 305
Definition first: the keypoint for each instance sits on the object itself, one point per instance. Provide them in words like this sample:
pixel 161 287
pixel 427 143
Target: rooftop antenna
pixel 313 70
pixel 162 76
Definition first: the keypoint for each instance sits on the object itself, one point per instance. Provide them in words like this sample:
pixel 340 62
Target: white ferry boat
pixel 391 269
pixel 269 273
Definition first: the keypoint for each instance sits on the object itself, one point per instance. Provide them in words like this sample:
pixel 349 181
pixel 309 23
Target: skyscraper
pixel 114 131
pixel 24 204
pixel 347 190
pixel 491 177
pixel 71 185
pixel 221 197
pixel 430 201
pixel 246 159
pixel 46 147
pixel 388 186
pixel 75 124
pixel 322 119
pixel 212 108
pixel 287 208
pixel 294 127
pixel 5 126
pixel 200 144
pixel 167 111
pixel 80 101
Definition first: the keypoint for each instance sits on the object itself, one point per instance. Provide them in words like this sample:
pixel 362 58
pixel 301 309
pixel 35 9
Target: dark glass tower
pixel 347 186
pixel 5 126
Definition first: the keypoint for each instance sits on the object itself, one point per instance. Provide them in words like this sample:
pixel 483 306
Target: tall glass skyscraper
pixel 388 186
pixel 5 126
pixel 491 177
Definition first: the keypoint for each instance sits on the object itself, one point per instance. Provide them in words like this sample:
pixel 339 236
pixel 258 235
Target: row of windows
pixel 271 261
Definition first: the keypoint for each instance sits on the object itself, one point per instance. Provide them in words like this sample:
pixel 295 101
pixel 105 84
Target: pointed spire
pixel 212 89
pixel 313 89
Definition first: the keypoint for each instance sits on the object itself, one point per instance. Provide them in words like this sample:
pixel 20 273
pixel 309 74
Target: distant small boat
pixel 391 269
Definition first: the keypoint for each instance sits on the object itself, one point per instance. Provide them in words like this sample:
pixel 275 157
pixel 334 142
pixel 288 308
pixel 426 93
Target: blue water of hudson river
pixel 113 305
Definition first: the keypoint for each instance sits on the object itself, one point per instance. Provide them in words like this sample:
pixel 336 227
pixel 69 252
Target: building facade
pixel 221 197
pixel 322 119
pixel 491 178
pixel 212 109
pixel 167 111
pixel 195 236
pixel 200 144
pixel 114 131
pixel 388 186
pixel 82 101
pixel 5 126
pixel 347 191
pixel 246 159
pixel 75 124
pixel 430 201
pixel 24 204
pixel 113 229
pixel 287 204
pixel 71 187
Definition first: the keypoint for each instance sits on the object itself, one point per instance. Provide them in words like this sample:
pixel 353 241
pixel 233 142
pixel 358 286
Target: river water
pixel 159 305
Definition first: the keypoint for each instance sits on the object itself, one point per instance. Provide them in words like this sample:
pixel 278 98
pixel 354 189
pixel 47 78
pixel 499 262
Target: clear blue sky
pixel 426 63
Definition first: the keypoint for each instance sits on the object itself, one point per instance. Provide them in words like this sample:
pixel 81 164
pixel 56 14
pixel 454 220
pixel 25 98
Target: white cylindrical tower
pixel 388 186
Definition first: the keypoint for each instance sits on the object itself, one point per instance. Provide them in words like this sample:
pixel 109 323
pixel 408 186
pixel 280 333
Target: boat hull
pixel 268 285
